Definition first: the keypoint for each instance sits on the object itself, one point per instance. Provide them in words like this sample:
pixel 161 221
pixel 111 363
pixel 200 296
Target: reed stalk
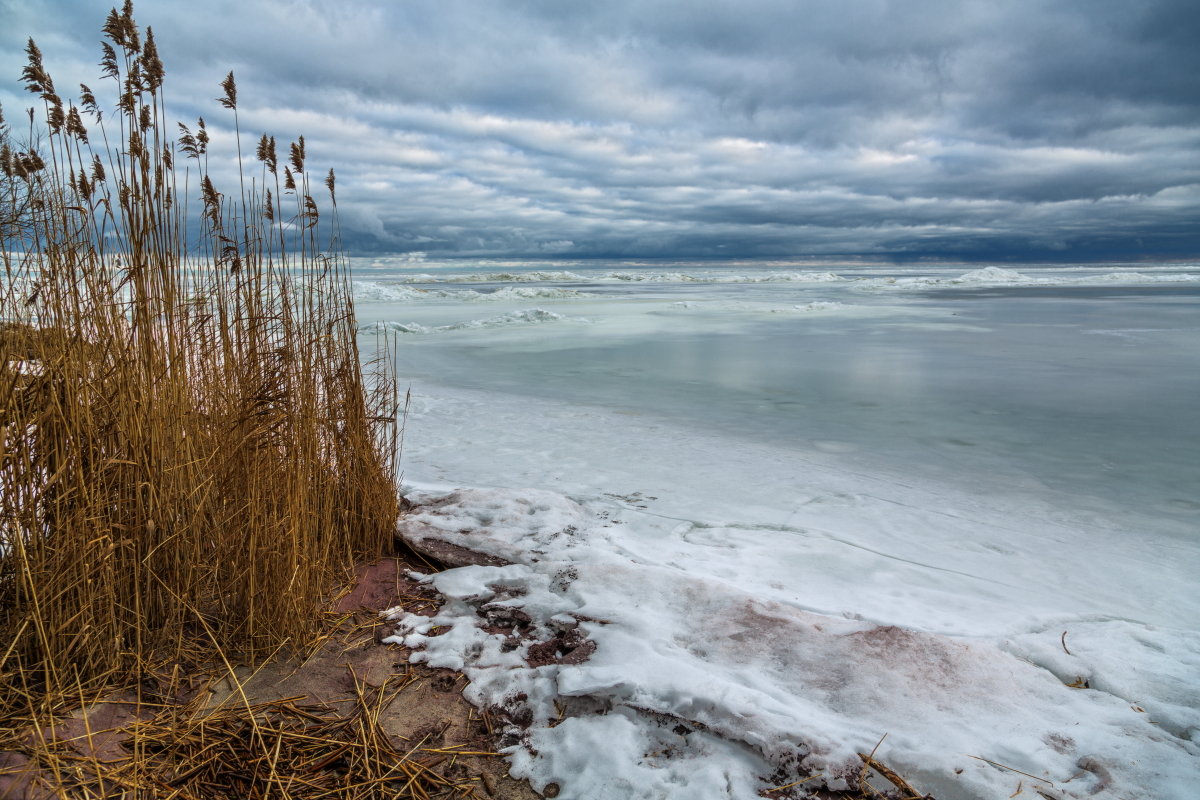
pixel 191 454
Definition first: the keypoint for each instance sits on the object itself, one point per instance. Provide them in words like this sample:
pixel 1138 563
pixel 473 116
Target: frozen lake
pixel 1081 383
pixel 992 456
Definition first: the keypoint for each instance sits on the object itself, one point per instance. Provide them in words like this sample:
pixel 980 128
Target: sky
pixel 966 130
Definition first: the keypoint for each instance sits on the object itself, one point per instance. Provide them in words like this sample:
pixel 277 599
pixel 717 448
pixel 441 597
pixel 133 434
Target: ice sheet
pixel 739 570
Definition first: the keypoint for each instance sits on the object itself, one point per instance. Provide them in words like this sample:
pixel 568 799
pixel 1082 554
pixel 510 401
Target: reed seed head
pixel 75 125
pixel 152 64
pixel 230 87
pixel 108 61
pixel 37 80
pixel 297 155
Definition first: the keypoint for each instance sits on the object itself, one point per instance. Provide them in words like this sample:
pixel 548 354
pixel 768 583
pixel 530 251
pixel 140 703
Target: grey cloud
pixel 997 128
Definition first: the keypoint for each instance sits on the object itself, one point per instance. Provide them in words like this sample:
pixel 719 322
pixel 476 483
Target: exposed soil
pixel 420 710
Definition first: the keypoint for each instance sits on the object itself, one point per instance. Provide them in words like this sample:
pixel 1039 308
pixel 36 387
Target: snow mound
pixel 529 316
pixel 991 275
pixel 652 277
pixel 786 277
pixel 516 277
pixel 529 293
pixel 395 327
pixel 373 291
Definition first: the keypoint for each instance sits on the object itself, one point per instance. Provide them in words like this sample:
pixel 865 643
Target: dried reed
pixel 285 748
pixel 191 455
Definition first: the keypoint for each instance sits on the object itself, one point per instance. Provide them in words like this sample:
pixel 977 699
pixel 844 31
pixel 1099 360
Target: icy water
pixel 794 508
pixel 1081 382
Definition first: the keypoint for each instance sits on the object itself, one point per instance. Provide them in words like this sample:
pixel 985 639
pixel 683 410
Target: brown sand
pixel 427 715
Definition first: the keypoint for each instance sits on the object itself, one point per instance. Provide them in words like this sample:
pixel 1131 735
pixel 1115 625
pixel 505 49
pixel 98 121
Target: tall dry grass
pixel 190 453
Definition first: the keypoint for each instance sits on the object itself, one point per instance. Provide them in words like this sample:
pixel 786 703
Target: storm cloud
pixel 964 129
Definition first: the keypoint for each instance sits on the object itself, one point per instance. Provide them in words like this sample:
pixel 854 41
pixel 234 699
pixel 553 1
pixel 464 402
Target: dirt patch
pixel 565 647
pixel 353 719
pixel 453 555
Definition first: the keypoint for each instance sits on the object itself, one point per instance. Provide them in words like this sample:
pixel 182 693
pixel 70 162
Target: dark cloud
pixel 976 128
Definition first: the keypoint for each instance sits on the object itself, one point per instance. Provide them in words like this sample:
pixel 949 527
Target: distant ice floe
pixel 820 305
pixel 991 275
pixel 998 276
pixel 651 277
pixel 686 277
pixel 710 305
pixel 786 277
pixel 503 277
pixel 373 291
pixel 618 276
pixel 529 316
pixel 531 293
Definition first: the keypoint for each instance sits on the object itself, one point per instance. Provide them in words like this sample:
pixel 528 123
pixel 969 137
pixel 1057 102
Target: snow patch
pixel 530 316
pixel 819 305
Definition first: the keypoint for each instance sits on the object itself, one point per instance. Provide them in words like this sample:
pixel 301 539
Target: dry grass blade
pixel 998 765
pixel 906 789
pixel 191 456
pixel 862 773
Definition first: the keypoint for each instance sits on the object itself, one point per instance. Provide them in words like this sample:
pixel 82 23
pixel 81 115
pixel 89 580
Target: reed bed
pixel 191 453
pixel 192 458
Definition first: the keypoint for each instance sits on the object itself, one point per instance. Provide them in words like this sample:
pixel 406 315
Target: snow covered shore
pixel 627 674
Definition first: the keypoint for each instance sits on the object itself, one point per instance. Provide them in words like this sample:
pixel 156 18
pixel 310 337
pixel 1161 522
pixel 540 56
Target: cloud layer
pixel 973 129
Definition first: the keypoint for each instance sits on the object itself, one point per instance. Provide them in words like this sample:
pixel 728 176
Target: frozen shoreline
pixel 785 573
pixel 699 688
pixel 771 674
